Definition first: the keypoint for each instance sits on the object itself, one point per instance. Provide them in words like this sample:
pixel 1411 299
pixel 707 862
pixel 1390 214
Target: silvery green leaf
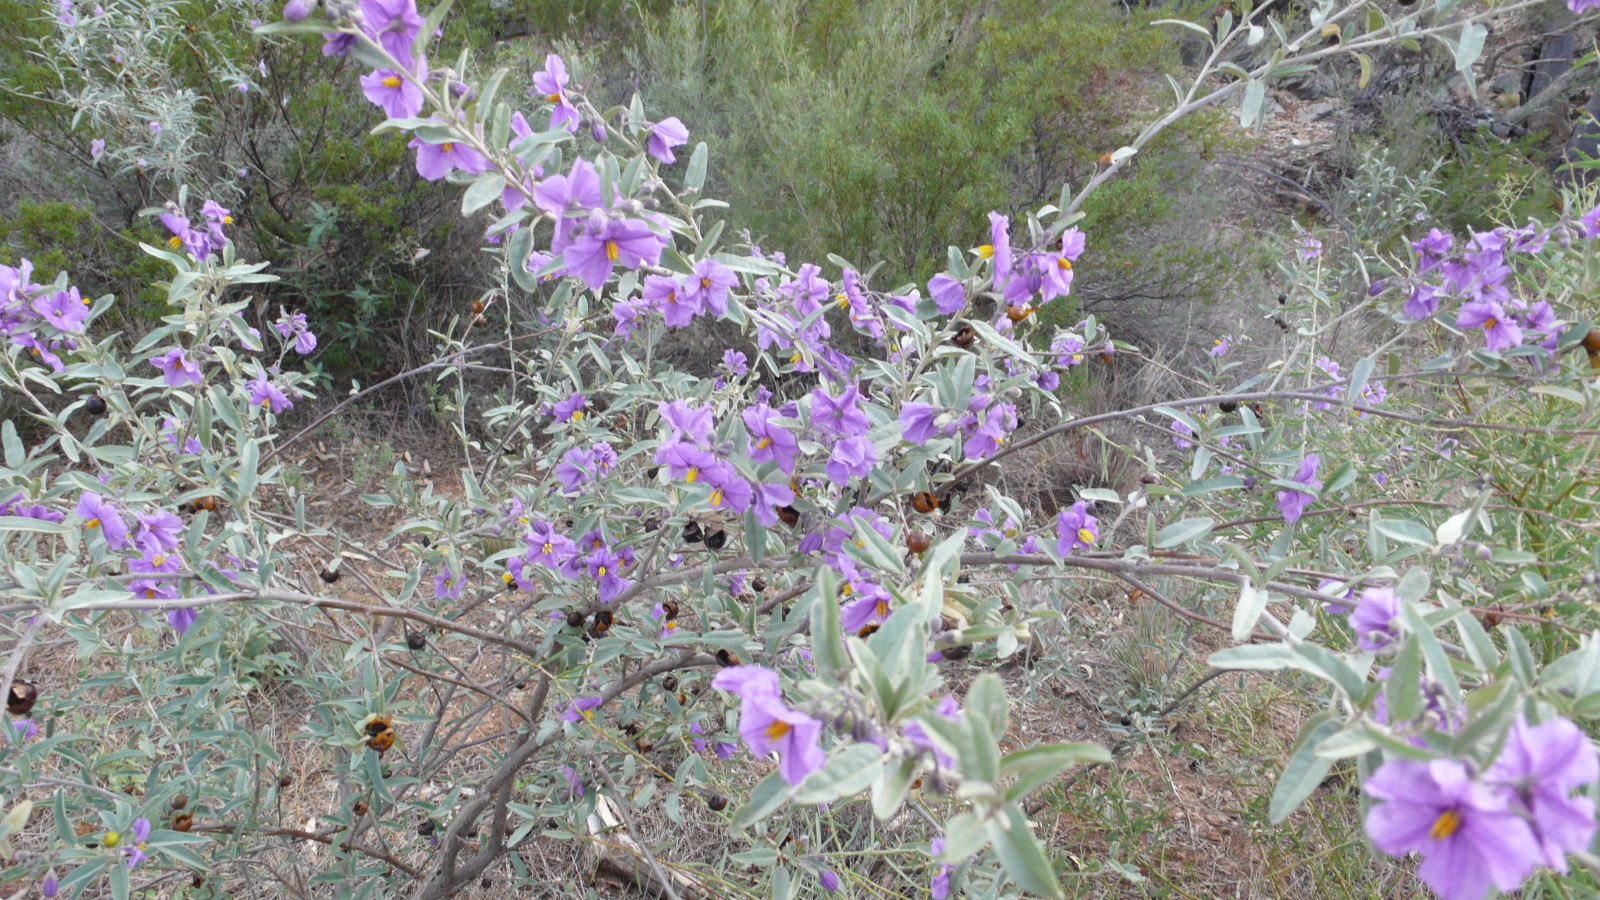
pixel 1304 770
pixel 846 774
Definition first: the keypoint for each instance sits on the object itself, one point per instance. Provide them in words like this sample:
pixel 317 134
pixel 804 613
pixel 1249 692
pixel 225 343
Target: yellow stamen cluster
pixel 1085 535
pixel 1445 825
pixel 611 250
pixel 393 81
pixel 777 729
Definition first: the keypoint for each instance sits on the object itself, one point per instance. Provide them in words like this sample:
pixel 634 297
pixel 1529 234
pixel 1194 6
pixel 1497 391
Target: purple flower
pixel 26 729
pixel 1310 248
pixel 552 83
pixel 65 310
pixel 181 620
pixel 399 97
pixel 435 161
pixel 135 847
pixel 940 886
pixel 446 585
pixel 917 422
pixel 1500 332
pixel 176 368
pixel 770 441
pixel 724 749
pixel 296 10
pixel 570 409
pixel 580 709
pixel 157 532
pixel 852 457
pixel 708 285
pixel 949 294
pixel 949 709
pixel 684 460
pixel 1541 765
pixel 767 725
pixel 1467 832
pixel 828 878
pixel 395 23
pixel 265 393
pixel 1590 219
pixel 578 189
pixel 1181 432
pixel 1057 267
pixel 999 248
pixel 841 415
pixel 1292 503
pixel 728 489
pixel 1376 618
pixel 96 147
pixel 1332 586
pixel 735 362
pixel 576 467
pixel 97 513
pixel 1423 302
pixel 871 607
pixel 664 135
pixel 549 549
pixel 1219 348
pixel 49 886
pixel 597 249
pixel 1076 529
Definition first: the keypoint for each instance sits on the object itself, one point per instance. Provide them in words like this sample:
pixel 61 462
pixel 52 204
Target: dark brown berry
pixel 1591 341
pixel 669 683
pixel 179 801
pixel 759 584
pixel 575 619
pixel 670 608
pixel 691 533
pixel 329 576
pixel 917 542
pixel 197 881
pixel 717 802
pixel 789 515
pixel 716 540
pixel 22 697
pixel 359 807
pixel 1228 406
pixel 959 651
pixel 924 502
pixel 426 828
pixel 726 658
pixel 95 405
pixel 416 640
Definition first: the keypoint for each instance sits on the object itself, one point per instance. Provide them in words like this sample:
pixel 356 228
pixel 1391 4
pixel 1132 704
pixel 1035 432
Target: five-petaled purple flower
pixel 664 135
pixel 97 513
pixel 1076 529
pixel 551 83
pixel 264 393
pixel 1467 832
pixel 1376 618
pixel 767 725
pixel 177 369
pixel 580 709
pixel 1292 503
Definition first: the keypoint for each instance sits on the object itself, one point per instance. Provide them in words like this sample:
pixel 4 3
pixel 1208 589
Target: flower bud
pixel 296 10
pixel 597 221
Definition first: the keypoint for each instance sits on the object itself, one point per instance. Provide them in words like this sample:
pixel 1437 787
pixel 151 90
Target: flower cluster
pixel 203 240
pixel 1477 830
pixel 768 726
pixel 1476 275
pixel 41 319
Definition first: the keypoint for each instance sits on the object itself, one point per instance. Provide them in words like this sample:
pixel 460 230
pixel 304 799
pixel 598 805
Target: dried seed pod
pixel 789 515
pixel 209 504
pixel 727 658
pixel 716 540
pixel 868 630
pixel 359 807
pixel 691 533
pixel 416 640
pixel 965 337
pixel 285 780
pixel 960 651
pixel 669 683
pixel 670 608
pixel 182 821
pixel 603 620
pixel 759 584
pixel 924 502
pixel 21 698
